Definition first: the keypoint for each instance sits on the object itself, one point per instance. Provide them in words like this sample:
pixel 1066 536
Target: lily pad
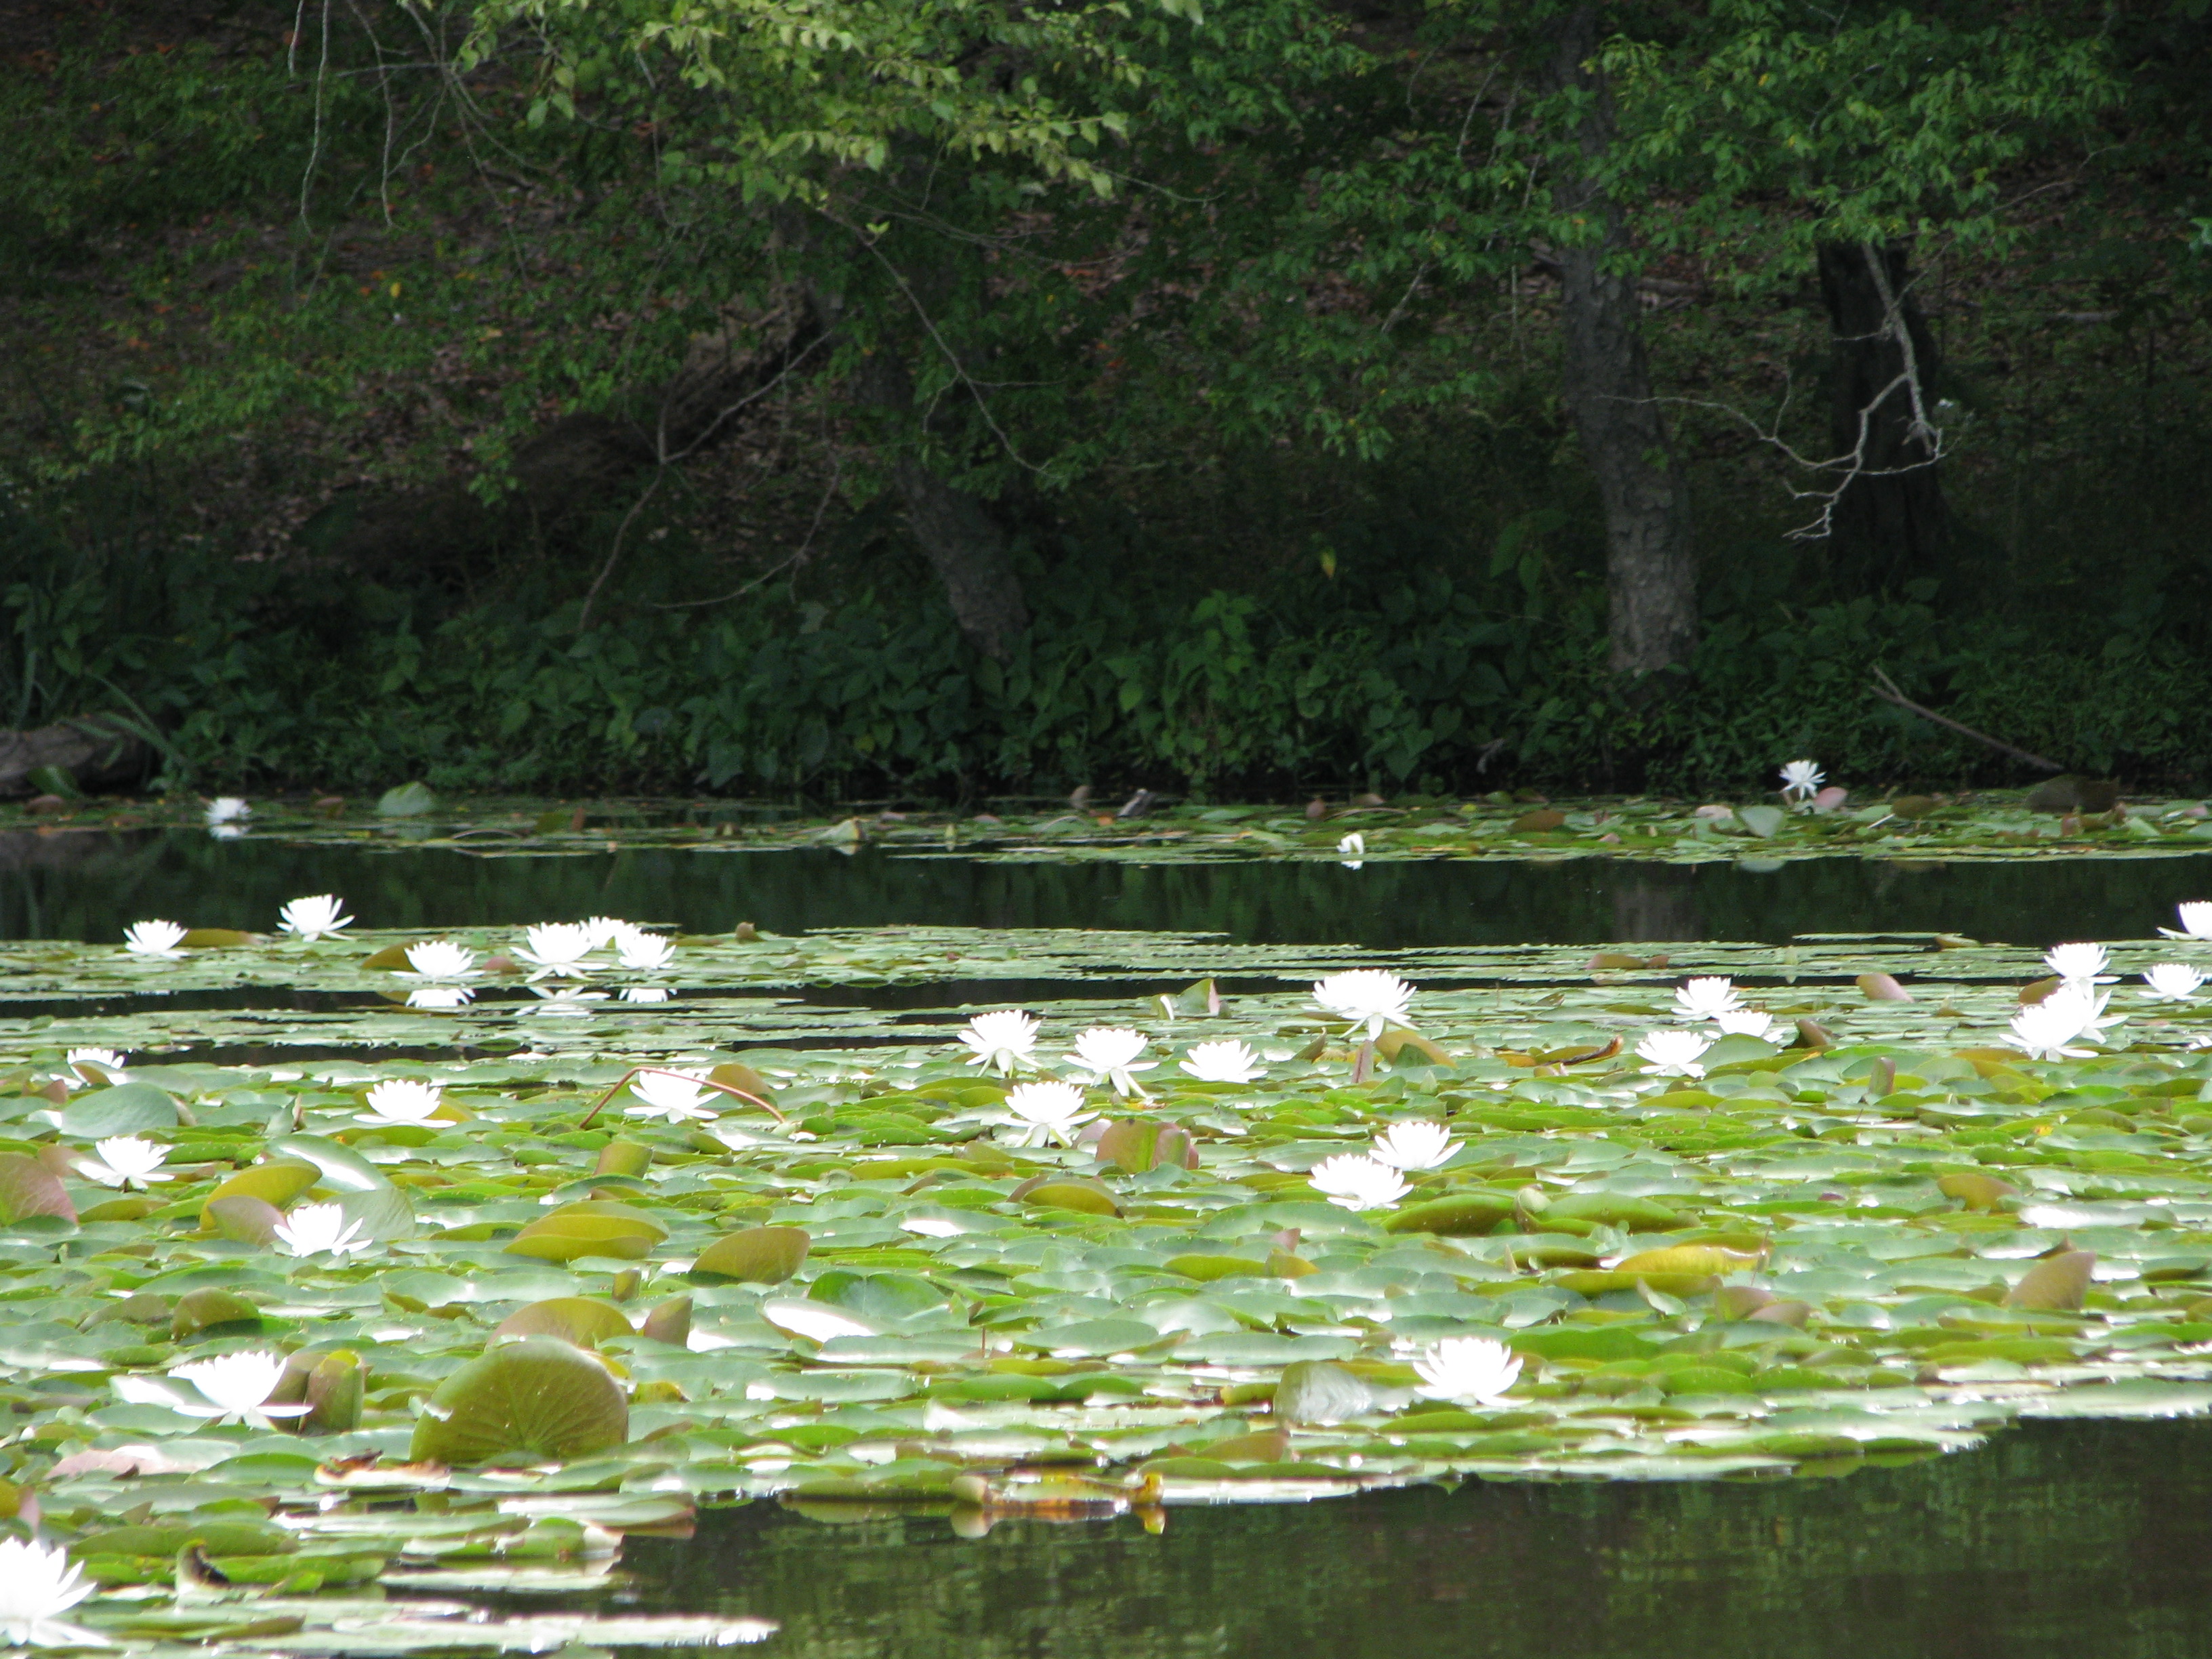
pixel 527 1401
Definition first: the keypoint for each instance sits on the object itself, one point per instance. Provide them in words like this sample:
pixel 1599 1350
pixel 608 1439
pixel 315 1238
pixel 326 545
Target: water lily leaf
pixel 28 1189
pixel 668 1322
pixel 881 1299
pixel 127 1109
pixel 581 1320
pixel 407 800
pixel 342 1167
pixel 815 1321
pixel 214 939
pixel 1976 1191
pixel 1459 1215
pixel 1406 1049
pixel 1136 1145
pixel 1068 1195
pixel 757 1256
pixel 241 1216
pixel 1912 807
pixel 277 1183
pixel 1207 1268
pixel 594 1227
pixel 391 958
pixel 335 1390
pixel 1536 822
pixel 1638 1215
pixel 1761 821
pixel 1698 1260
pixel 384 1215
pixel 1319 1391
pixel 2057 1281
pixel 624 1158
pixel 1882 987
pixel 530 1400
pixel 211 1312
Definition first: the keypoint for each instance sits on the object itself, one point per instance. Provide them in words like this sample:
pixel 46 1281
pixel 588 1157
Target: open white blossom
pixel 2171 982
pixel 1353 850
pixel 320 916
pixel 444 997
pixel 440 958
pixel 1373 997
pixel 38 1584
pixel 1475 1368
pixel 227 809
pixel 320 1230
pixel 152 938
pixel 237 1387
pixel 604 931
pixel 1418 1144
pixel 127 1161
pixel 85 1061
pixel 2079 965
pixel 1109 1052
pixel 401 1102
pixel 1226 1062
pixel 636 948
pixel 1046 1110
pixel 1706 999
pixel 2085 1007
pixel 1673 1053
pixel 2044 1030
pixel 1744 1022
pixel 1006 1040
pixel 680 1098
pixel 1354 1180
pixel 2196 917
pixel 1801 779
pixel 556 948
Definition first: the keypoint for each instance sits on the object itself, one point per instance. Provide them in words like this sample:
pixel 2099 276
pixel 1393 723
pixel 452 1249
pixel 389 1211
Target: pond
pixel 1887 1280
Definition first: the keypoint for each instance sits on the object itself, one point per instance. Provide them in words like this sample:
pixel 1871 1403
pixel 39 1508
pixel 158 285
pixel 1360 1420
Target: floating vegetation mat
pixel 1993 825
pixel 420 1302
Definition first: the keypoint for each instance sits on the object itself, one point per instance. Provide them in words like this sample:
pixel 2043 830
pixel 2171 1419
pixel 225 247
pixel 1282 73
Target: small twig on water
pixel 662 1071
pixel 1886 689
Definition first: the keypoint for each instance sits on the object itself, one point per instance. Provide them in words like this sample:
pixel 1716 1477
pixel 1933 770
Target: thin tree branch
pixel 1886 689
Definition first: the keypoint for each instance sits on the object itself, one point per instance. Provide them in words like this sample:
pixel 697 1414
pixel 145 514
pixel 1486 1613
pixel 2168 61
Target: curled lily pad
pixel 1136 1145
pixel 594 1227
pixel 668 1322
pixel 2057 1282
pixel 28 1189
pixel 277 1183
pixel 531 1400
pixel 578 1319
pixel 243 1216
pixel 757 1256
pixel 210 1312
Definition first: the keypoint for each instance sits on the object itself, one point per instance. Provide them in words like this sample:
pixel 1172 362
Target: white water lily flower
pixel 1801 779
pixel 237 1387
pixel 319 916
pixel 1419 1144
pixel 557 949
pixel 1473 1368
pixel 2171 982
pixel 401 1100
pixel 38 1584
pixel 1372 997
pixel 647 993
pixel 2085 1007
pixel 2043 1030
pixel 636 948
pixel 125 1159
pixel 1353 850
pixel 1006 1040
pixel 1354 1180
pixel 444 998
pixel 152 938
pixel 440 958
pixel 2079 965
pixel 1706 998
pixel 1672 1054
pixel 1046 1110
pixel 1744 1022
pixel 1225 1061
pixel 2195 921
pixel 227 809
pixel 104 1059
pixel 680 1098
pixel 319 1230
pixel 604 931
pixel 1109 1052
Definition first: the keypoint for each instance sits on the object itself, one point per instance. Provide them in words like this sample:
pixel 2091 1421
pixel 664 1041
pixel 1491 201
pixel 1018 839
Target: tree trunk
pixel 1890 522
pixel 1651 570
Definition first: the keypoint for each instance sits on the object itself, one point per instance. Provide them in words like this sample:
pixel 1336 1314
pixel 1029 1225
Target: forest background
pixel 898 399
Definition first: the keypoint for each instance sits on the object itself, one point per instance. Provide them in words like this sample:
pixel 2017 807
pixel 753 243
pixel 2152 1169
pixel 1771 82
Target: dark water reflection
pixel 2056 1541
pixel 90 885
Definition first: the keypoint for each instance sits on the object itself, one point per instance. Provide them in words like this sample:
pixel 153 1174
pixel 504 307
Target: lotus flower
pixel 320 1230
pixel 1226 1062
pixel 125 1160
pixel 1468 1368
pixel 556 949
pixel 315 918
pixel 152 938
pixel 236 1387
pixel 1801 779
pixel 2079 965
pixel 2195 921
pixel 2171 982
pixel 103 1060
pixel 1110 1053
pixel 640 950
pixel 1744 1022
pixel 1419 1144
pixel 441 998
pixel 1706 999
pixel 1006 1040
pixel 1354 1180
pixel 1046 1110
pixel 678 1098
pixel 1372 997
pixel 440 958
pixel 38 1584
pixel 1672 1054
pixel 1353 849
pixel 401 1102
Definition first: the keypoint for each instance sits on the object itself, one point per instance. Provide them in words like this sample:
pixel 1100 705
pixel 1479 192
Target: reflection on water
pixel 90 885
pixel 2054 1540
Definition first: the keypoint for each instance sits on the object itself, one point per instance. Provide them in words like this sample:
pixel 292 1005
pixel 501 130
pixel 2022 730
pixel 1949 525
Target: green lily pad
pixel 525 1400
